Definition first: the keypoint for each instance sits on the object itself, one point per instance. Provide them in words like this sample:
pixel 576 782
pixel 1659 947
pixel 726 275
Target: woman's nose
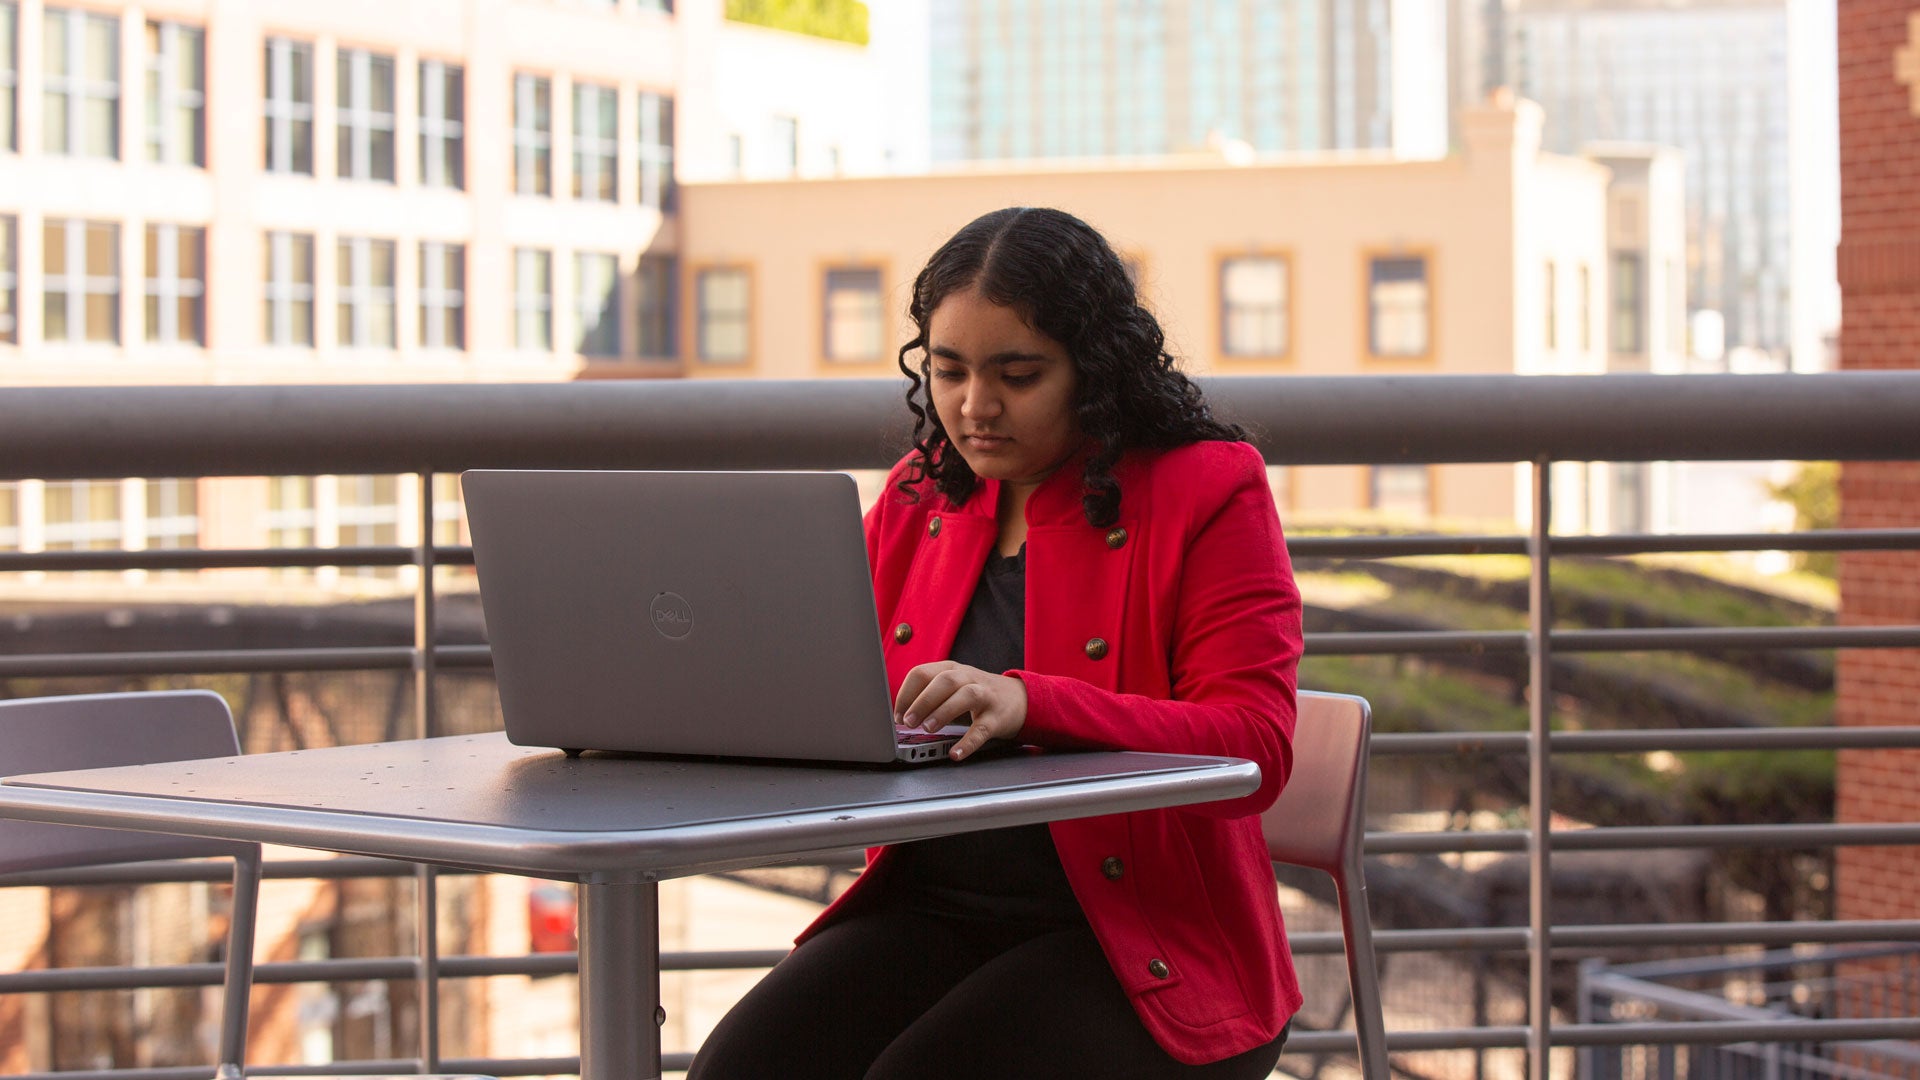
pixel 979 403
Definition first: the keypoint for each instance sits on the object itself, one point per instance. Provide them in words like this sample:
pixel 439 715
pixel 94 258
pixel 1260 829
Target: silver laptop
pixel 709 613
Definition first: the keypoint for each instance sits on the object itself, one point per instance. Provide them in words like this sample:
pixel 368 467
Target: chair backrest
pixel 98 731
pixel 1318 817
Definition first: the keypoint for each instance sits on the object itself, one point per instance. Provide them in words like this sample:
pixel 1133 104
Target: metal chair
pixel 1318 822
pixel 105 730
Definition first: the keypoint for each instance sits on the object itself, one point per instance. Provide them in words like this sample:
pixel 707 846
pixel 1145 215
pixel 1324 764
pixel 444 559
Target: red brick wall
pixel 1880 328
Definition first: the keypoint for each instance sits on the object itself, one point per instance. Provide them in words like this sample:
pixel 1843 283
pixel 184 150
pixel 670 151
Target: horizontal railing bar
pixel 380 658
pixel 1357 547
pixel 1464 939
pixel 1651 1033
pixel 861 423
pixel 173 871
pixel 1389 547
pixel 1410 642
pixel 1634 837
pixel 223 558
pixel 1676 740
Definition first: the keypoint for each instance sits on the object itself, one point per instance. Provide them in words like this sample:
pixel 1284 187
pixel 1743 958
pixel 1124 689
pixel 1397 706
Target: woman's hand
pixel 935 695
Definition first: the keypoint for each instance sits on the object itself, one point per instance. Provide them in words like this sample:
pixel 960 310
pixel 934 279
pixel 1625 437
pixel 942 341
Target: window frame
pixel 696 299
pixel 875 267
pixel 1369 313
pixel 439 128
pixel 596 154
pixel 666 316
pixel 653 154
pixel 532 142
pixel 10 78
pixel 1626 304
pixel 529 304
pixel 436 298
pixel 359 126
pixel 1285 309
pixel 283 295
pixel 72 84
pixel 358 297
pixel 164 95
pixel 9 279
pixel 610 305
pixel 74 299
pixel 166 289
pixel 285 110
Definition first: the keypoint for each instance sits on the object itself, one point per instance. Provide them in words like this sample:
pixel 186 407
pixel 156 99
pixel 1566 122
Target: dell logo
pixel 672 615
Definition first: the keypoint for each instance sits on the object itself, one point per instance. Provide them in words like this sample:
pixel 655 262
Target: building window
pixel 443 295
pixel 364 126
pixel 1676 309
pixel 173 514
pixel 1629 302
pixel 1586 308
pixel 532 135
pixel 1401 490
pixel 82 89
pixel 1552 289
pixel 596 142
pixel 596 299
pixel 855 320
pixel 664 7
pixel 176 94
pixel 9 76
pixel 290 520
pixel 657 284
pixel 532 300
pixel 289 106
pixel 82 283
pixel 83 515
pixel 723 297
pixel 288 318
pixel 364 273
pixel 1253 306
pixel 443 141
pixel 176 289
pixel 9 517
pixel 786 144
pixel 656 151
pixel 1399 310
pixel 368 511
pixel 9 279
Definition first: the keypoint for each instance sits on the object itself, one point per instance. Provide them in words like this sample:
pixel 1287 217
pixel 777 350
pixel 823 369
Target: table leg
pixel 619 929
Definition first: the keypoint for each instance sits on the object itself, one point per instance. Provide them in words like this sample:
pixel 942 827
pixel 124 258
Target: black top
pixel 1010 874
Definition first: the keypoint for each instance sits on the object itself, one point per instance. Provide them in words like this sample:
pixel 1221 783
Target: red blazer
pixel 1193 597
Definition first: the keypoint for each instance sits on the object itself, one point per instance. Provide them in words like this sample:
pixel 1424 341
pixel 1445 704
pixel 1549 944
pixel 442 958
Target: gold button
pixel 1116 537
pixel 1158 969
pixel 1112 867
pixel 902 634
pixel 1096 648
pixel 933 527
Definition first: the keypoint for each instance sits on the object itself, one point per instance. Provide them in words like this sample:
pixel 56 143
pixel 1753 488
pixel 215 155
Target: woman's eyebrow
pixel 1006 356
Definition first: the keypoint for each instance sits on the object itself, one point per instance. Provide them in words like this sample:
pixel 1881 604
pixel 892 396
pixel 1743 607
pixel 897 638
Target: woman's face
pixel 1003 390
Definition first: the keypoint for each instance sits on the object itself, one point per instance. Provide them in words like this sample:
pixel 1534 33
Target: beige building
pixel 1492 261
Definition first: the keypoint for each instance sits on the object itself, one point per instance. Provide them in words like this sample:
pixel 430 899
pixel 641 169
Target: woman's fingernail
pixel 908 720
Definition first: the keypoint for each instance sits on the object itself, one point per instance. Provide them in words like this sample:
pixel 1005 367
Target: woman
pixel 1077 554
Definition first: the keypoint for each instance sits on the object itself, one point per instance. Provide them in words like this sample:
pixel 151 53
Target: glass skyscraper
pixel 1710 78
pixel 1017 79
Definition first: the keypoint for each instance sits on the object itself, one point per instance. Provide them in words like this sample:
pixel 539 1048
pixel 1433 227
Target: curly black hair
pixel 1066 281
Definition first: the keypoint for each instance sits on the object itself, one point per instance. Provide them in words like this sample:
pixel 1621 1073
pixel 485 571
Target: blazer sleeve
pixel 1235 650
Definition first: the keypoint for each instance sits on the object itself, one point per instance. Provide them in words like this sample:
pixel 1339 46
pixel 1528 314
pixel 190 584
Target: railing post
pixel 1539 779
pixel 426 892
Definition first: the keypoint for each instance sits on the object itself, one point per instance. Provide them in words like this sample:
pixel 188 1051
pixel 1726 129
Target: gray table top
pixel 482 802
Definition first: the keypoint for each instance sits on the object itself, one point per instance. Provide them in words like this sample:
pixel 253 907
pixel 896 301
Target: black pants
pixel 905 994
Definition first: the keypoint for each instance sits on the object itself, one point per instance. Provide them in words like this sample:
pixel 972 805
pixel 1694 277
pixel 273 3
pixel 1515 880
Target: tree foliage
pixel 1814 494
pixel 835 20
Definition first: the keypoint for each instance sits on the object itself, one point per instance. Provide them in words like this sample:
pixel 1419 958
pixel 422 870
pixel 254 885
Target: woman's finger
pixel 912 687
pixel 967 696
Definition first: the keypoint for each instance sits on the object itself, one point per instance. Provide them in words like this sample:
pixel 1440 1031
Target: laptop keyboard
pixel 916 738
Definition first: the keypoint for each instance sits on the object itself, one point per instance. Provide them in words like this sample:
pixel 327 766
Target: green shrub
pixel 835 20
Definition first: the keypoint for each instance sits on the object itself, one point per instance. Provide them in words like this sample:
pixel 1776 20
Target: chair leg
pixel 1363 975
pixel 239 983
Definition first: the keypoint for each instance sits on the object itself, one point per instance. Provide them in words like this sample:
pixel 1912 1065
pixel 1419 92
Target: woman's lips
pixel 987 442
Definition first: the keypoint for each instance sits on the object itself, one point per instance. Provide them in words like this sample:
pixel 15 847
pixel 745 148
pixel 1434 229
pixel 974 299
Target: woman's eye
pixel 949 374
pixel 1022 380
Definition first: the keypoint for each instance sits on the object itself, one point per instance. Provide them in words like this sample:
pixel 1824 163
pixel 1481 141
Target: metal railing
pixel 63 433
